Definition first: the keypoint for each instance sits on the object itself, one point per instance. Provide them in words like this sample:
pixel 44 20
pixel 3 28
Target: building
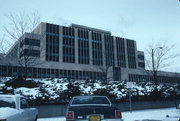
pixel 77 52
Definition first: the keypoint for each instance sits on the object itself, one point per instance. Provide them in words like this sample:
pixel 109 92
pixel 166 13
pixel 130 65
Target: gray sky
pixel 140 20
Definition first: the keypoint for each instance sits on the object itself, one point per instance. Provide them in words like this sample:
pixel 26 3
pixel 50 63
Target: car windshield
pixel 7 102
pixel 90 100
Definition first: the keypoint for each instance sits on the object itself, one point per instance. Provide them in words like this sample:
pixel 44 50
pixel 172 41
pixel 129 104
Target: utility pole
pixel 130 86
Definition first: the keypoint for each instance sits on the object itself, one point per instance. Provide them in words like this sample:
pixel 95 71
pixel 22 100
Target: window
pixel 141 64
pixel 68 45
pixel 131 54
pixel 141 57
pixel 30 52
pixel 90 100
pixel 52 43
pixel 121 59
pixel 109 50
pixel 83 46
pixel 97 57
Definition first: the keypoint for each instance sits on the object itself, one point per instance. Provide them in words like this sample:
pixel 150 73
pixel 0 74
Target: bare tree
pixel 2 47
pixel 19 25
pixel 160 55
pixel 105 71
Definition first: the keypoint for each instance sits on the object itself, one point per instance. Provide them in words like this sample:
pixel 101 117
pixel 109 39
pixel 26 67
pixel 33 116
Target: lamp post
pixel 153 65
pixel 130 86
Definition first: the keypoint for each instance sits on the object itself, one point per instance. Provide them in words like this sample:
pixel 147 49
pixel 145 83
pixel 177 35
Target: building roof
pixel 90 28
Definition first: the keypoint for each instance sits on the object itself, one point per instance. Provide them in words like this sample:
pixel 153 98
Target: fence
pixel 60 110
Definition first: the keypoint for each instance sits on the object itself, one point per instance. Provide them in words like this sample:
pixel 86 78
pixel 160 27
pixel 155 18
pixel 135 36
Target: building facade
pixel 76 52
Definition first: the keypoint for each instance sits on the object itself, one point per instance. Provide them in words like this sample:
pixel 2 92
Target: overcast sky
pixel 140 20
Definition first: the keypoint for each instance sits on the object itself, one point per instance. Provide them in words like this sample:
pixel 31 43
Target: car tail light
pixel 70 115
pixel 118 114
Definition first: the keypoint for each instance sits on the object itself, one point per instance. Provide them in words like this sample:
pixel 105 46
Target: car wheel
pixel 36 118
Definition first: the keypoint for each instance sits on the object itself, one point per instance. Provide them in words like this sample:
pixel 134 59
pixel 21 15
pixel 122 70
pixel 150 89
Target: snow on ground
pixel 142 115
pixel 53 119
pixel 153 114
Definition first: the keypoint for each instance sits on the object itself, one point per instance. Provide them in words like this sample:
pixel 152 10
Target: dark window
pixel 30 52
pixel 121 58
pixel 32 42
pixel 97 57
pixel 109 50
pixel 131 54
pixel 52 29
pixel 52 42
pixel 141 57
pixel 83 47
pixel 141 64
pixel 68 45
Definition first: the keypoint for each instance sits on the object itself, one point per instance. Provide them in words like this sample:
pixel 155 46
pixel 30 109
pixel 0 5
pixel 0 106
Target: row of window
pixel 52 28
pixel 31 42
pixel 96 36
pixel 14 71
pixel 131 54
pixel 97 54
pixel 121 58
pixel 52 48
pixel 30 52
pixel 141 64
pixel 97 57
pixel 68 31
pixel 109 50
pixel 83 51
pixel 148 78
pixel 141 57
pixel 68 50
pixel 83 34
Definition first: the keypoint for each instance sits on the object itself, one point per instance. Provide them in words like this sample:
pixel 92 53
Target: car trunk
pixel 81 112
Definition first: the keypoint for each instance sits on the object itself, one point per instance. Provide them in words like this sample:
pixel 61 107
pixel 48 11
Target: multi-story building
pixel 77 52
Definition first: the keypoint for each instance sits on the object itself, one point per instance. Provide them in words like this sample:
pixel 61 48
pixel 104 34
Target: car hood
pixel 6 112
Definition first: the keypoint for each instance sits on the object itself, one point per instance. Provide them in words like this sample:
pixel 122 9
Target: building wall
pixel 80 49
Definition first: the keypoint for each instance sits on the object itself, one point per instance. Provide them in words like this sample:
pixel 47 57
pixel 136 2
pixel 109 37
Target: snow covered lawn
pixel 153 115
pixel 142 115
pixel 52 119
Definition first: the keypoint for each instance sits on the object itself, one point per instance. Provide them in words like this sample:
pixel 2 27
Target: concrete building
pixel 77 52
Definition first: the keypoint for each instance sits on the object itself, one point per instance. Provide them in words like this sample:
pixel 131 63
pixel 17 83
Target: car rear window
pixel 90 100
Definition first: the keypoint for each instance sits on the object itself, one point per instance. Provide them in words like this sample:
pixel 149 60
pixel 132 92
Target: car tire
pixel 36 118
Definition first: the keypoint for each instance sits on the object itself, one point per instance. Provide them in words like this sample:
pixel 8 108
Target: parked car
pixel 16 108
pixel 92 108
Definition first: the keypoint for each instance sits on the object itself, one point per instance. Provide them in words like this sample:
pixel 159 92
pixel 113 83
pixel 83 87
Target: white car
pixel 16 108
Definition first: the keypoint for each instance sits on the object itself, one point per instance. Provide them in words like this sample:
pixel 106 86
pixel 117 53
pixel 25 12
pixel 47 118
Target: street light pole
pixel 130 102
